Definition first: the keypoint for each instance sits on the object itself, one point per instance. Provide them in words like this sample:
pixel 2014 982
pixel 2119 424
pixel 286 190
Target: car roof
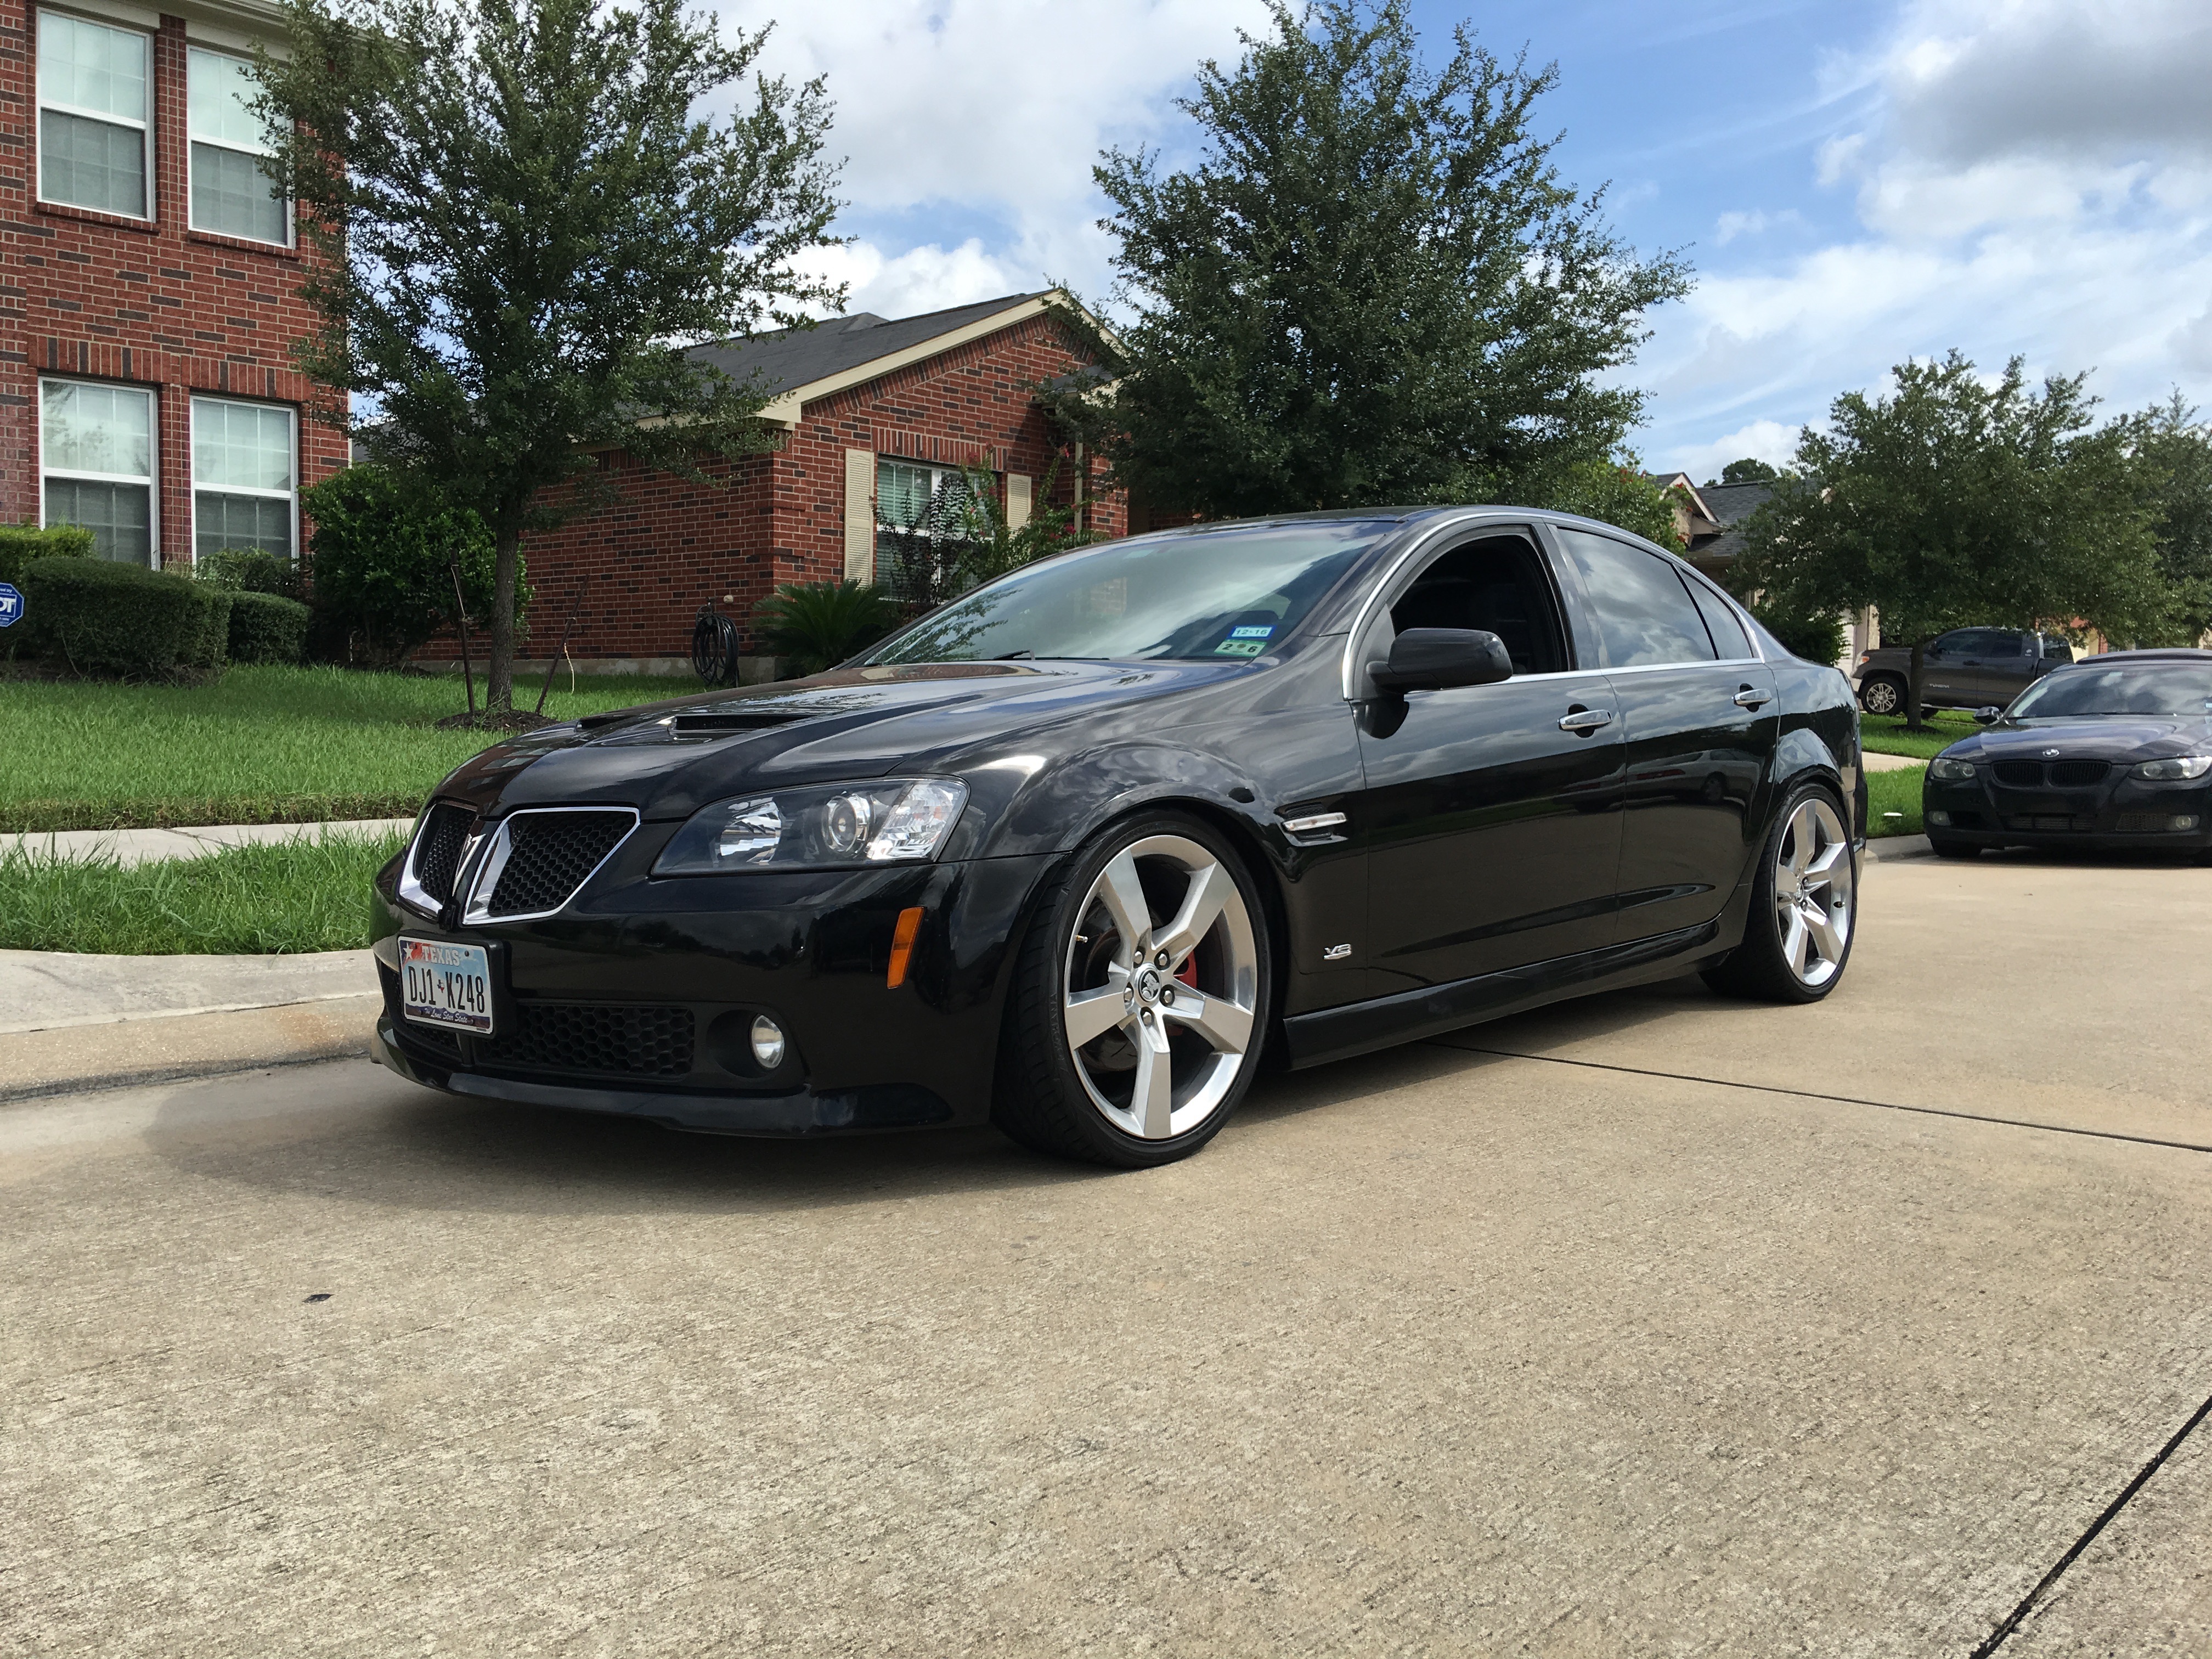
pixel 2171 654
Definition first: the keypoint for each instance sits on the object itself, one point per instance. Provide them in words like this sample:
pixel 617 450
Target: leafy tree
pixel 526 220
pixel 819 623
pixel 1375 287
pixel 1950 502
pixel 2171 450
pixel 380 563
pixel 1617 492
pixel 1750 470
pixel 988 547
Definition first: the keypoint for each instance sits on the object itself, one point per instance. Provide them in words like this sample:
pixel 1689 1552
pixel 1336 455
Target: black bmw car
pixel 1076 853
pixel 2112 751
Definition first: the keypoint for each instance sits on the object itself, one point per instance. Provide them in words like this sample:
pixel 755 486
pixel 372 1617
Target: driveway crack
pixel 1814 1094
pixel 2028 1603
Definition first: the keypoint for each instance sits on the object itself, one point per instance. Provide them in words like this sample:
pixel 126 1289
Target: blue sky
pixel 1855 184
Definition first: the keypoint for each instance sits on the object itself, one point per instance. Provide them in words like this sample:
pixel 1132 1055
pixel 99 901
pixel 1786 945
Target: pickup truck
pixel 1966 668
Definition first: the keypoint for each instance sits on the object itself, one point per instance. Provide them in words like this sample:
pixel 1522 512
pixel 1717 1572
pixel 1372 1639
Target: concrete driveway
pixel 1651 1325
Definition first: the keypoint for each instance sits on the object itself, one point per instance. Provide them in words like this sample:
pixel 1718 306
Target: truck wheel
pixel 1882 693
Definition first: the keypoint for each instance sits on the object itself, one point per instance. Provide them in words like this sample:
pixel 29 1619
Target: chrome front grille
pixel 538 858
pixel 434 860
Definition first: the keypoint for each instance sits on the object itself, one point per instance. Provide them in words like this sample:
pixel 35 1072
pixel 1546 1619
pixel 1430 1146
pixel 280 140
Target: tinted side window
pixel 1720 622
pixel 1643 612
pixel 1953 644
pixel 2055 647
pixel 1495 585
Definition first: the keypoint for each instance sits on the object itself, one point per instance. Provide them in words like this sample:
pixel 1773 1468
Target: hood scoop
pixel 739 720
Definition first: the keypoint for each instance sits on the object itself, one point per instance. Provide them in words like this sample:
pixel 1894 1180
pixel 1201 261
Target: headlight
pixel 904 821
pixel 1951 771
pixel 2181 766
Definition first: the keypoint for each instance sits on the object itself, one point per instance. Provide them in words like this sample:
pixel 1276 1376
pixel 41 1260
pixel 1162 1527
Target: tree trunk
pixel 1912 721
pixel 499 678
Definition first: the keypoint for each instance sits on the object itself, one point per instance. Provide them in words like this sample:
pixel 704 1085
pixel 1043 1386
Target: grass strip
pixel 261 745
pixel 1885 734
pixel 1895 792
pixel 244 901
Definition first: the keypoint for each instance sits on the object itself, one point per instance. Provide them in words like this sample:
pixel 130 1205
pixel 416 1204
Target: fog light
pixel 1940 820
pixel 768 1043
pixel 2184 820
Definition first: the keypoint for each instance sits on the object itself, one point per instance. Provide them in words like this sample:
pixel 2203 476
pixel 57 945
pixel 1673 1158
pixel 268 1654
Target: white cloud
pixel 2035 178
pixel 1767 440
pixel 994 110
pixel 930 277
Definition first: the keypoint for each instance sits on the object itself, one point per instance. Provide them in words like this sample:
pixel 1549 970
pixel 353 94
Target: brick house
pixel 148 281
pixel 872 416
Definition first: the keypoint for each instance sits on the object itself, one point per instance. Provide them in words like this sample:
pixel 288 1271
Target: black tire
pixel 1760 969
pixel 1042 1099
pixel 1881 694
pixel 1944 848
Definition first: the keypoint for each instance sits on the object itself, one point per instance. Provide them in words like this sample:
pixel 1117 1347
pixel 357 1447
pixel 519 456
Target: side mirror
pixel 1988 716
pixel 1437 659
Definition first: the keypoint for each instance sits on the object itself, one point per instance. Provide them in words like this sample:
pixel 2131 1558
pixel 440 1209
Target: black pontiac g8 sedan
pixel 2109 752
pixel 1074 852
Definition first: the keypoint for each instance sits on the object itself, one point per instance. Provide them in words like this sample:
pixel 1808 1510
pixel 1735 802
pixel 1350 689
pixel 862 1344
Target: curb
pixel 175 1047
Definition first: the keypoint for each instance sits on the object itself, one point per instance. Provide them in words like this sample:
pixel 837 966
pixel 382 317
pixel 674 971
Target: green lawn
pixel 1885 735
pixel 1895 792
pixel 261 745
pixel 244 901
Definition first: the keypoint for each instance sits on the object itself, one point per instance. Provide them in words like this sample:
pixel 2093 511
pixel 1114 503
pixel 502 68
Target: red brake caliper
pixel 1188 972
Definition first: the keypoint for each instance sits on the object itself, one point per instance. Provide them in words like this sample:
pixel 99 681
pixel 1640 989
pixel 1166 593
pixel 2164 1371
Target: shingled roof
pixel 795 359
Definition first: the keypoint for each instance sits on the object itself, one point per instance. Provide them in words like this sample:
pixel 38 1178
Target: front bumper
pixel 638 998
pixel 2120 813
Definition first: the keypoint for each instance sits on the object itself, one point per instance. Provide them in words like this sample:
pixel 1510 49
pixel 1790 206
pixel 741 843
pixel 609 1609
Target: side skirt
pixel 1339 1033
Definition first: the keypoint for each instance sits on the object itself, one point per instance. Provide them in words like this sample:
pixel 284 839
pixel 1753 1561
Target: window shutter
pixel 859 515
pixel 1017 500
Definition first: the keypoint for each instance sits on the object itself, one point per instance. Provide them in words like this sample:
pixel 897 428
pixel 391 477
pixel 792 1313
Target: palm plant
pixel 818 624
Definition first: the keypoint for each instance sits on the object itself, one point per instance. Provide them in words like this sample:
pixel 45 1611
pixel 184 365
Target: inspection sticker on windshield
pixel 1247 641
pixel 445 985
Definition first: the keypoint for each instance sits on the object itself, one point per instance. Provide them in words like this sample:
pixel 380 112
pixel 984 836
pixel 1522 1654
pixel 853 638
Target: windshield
pixel 2135 688
pixel 1224 595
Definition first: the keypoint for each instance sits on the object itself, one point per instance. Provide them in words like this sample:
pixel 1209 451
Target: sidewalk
pixel 70 1023
pixel 144 846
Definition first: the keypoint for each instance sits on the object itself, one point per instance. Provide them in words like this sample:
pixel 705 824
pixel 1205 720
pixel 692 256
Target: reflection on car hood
pixel 672 757
pixel 2113 737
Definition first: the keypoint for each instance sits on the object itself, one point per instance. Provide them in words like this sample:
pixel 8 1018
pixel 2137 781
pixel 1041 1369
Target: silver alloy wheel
pixel 1882 697
pixel 1812 891
pixel 1161 1004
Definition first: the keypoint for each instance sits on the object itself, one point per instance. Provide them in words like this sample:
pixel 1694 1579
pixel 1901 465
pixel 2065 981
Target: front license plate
pixel 447 985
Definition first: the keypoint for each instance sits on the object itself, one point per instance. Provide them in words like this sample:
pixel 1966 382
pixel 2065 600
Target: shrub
pixel 21 544
pixel 249 570
pixel 268 628
pixel 818 624
pixel 1816 637
pixel 378 565
pixel 100 617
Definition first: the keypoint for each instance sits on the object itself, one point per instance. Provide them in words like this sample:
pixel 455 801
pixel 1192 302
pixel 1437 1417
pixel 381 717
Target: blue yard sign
pixel 11 604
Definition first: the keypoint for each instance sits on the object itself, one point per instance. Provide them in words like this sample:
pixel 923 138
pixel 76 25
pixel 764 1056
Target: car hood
pixel 2113 737
pixel 670 758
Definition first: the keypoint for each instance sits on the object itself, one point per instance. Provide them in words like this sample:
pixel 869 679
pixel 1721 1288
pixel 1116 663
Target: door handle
pixel 1752 697
pixel 1585 720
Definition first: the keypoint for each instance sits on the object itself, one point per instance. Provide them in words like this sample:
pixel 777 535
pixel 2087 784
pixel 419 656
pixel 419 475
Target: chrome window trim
pixel 1521 516
pixel 483 881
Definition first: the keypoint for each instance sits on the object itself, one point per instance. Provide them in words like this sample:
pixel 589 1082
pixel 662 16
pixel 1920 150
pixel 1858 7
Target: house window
pixel 93 140
pixel 921 524
pixel 231 192
pixel 244 472
pixel 96 462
